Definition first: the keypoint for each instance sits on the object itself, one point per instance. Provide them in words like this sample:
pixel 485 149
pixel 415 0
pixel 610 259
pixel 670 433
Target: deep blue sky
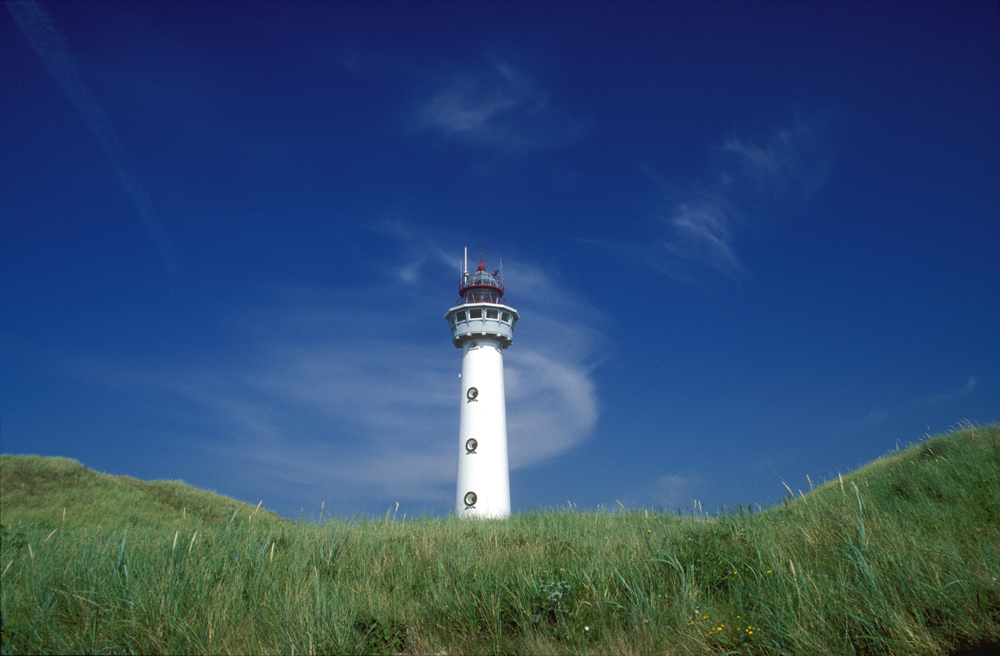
pixel 749 242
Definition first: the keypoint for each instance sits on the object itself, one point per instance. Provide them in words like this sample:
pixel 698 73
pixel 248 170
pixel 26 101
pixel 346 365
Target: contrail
pixel 51 47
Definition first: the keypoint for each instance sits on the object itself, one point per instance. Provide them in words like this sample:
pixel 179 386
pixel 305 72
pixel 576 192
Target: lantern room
pixel 481 286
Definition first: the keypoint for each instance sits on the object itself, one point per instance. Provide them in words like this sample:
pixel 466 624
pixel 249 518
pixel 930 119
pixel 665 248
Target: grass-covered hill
pixel 899 557
pixel 59 492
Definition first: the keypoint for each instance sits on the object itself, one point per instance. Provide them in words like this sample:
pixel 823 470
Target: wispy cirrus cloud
pixel 52 49
pixel 499 107
pixel 881 415
pixel 954 394
pixel 702 231
pixel 755 182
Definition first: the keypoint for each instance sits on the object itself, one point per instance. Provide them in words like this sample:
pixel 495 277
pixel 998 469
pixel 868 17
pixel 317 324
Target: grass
pixel 900 557
pixel 59 492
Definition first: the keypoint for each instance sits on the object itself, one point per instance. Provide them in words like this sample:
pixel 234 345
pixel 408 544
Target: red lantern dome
pixel 481 286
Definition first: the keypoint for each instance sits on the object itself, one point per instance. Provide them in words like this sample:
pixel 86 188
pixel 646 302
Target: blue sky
pixel 749 242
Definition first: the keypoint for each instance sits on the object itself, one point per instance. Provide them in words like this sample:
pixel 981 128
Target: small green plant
pixel 551 602
pixel 379 637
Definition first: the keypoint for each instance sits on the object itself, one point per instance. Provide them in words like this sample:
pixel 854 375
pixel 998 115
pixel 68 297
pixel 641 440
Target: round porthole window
pixel 470 499
pixel 470 445
pixel 472 394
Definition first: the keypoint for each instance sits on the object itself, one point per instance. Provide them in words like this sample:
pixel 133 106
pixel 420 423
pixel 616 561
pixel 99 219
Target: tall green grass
pixel 900 557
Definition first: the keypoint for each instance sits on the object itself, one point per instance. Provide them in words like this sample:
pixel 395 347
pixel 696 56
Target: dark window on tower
pixel 491 314
pixel 461 315
pixel 475 314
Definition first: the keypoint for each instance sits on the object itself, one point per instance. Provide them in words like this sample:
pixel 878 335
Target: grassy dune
pixel 59 492
pixel 900 557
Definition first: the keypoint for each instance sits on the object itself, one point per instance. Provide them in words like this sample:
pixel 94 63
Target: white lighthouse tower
pixel 482 325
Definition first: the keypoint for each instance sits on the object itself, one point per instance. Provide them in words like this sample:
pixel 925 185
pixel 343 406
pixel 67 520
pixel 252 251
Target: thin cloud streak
pixel 761 181
pixel 498 108
pixel 553 406
pixel 881 415
pixel 793 160
pixel 955 394
pixel 52 49
pixel 702 232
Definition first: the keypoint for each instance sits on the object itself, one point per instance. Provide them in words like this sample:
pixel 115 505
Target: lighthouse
pixel 482 325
